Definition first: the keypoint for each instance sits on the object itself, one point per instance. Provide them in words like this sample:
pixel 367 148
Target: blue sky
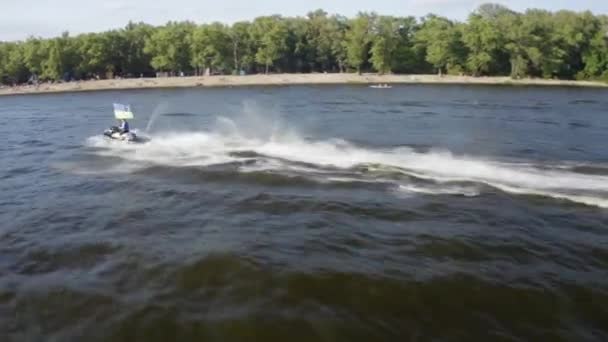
pixel 22 18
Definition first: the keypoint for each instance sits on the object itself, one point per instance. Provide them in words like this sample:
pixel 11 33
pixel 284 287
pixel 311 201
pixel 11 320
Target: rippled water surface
pixel 331 213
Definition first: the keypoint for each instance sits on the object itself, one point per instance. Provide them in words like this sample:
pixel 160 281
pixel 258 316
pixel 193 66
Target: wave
pixel 449 190
pixel 271 148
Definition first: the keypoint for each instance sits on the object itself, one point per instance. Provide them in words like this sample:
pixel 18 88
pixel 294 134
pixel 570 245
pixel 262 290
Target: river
pixel 306 213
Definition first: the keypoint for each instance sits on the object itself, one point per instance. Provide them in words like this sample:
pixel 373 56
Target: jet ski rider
pixel 124 126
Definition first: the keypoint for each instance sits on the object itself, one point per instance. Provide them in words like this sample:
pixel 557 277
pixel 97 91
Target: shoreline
pixel 280 80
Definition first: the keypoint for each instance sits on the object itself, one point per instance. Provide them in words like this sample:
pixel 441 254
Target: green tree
pixel 484 39
pixel 210 47
pixel 442 41
pixel 3 61
pixel 493 41
pixel 532 45
pixel 407 58
pixel 324 34
pixel 384 43
pixel 135 60
pixel 270 34
pixel 52 67
pixel 60 58
pixel 515 43
pixel 34 54
pixel 298 55
pixel 492 11
pixel 357 40
pixel 243 50
pixel 544 49
pixel 12 66
pixel 169 47
pixel 95 55
pixel 595 57
pixel 573 32
pixel 337 31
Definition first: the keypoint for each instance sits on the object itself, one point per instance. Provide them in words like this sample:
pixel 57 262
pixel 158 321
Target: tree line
pixel 494 41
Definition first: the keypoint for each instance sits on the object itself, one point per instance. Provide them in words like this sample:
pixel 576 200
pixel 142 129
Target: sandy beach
pixel 278 80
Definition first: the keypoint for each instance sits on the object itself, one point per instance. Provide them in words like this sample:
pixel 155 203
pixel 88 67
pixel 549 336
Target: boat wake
pixel 283 152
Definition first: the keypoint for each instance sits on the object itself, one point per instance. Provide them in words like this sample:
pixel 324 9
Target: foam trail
pixel 283 151
pixel 464 191
pixel 436 165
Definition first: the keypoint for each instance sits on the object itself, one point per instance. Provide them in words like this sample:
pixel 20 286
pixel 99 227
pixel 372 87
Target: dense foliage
pixel 493 41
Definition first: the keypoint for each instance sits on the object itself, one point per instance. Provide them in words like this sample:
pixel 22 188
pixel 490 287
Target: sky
pixel 20 19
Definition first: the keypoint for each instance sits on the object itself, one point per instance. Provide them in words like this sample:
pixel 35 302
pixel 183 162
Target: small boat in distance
pixel 381 86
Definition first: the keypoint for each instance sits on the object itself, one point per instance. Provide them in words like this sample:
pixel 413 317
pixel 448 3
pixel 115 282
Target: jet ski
pixel 115 133
pixel 122 112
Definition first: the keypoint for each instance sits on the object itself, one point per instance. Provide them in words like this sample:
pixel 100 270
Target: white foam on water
pixel 276 148
pixel 449 190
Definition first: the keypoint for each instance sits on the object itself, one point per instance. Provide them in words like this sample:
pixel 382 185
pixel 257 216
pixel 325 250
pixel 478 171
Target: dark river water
pixel 330 213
